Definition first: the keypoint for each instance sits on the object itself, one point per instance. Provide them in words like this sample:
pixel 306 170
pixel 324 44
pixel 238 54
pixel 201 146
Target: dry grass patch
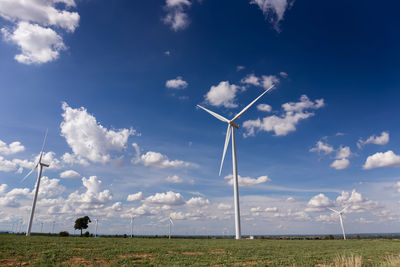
pixel 193 253
pixel 218 251
pixel 12 262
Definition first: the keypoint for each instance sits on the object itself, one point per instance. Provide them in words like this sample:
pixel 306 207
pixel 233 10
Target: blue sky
pixel 117 84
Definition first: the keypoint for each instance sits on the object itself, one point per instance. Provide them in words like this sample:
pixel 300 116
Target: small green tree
pixel 82 223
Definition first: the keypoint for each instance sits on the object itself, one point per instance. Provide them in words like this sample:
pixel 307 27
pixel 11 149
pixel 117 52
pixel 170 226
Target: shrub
pixel 86 234
pixel 63 233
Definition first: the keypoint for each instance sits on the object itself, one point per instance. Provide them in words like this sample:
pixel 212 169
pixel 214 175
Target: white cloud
pixel 239 68
pixel 377 140
pixel 174 179
pixel 343 152
pixel 198 202
pixel 43 12
pixel 264 107
pixel 286 123
pixel 340 164
pixel 248 181
pixel 266 81
pixel 69 174
pixel 283 74
pixel 222 206
pixel 49 187
pixel 7 165
pixel 273 209
pixel 92 198
pixel 251 79
pixel 273 10
pixel 222 95
pixel 177 83
pixel 3 188
pixel 10 149
pixel 176 16
pixel 135 197
pixel 318 203
pixel 169 198
pixel 158 160
pixel 322 147
pixel 378 160
pixel 87 138
pixel 38 44
pixel 32 32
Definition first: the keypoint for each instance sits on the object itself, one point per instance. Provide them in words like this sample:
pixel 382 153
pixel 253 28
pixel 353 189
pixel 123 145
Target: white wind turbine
pixel 171 222
pixel 39 166
pixel 231 130
pixel 132 218
pixel 97 223
pixel 340 213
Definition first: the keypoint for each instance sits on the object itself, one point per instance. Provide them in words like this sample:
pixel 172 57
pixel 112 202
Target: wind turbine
pixel 39 164
pixel 132 218
pixel 54 222
pixel 41 227
pixel 340 213
pixel 170 223
pixel 231 130
pixel 97 222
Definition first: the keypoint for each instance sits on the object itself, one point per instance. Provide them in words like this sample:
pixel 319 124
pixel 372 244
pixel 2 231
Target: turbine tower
pixel 97 223
pixel 132 218
pixel 231 130
pixel 340 213
pixel 170 223
pixel 39 166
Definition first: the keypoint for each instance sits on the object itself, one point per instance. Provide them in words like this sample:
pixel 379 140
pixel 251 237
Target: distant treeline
pixel 276 237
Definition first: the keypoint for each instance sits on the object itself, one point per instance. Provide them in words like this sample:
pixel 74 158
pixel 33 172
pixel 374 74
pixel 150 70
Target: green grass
pixel 65 251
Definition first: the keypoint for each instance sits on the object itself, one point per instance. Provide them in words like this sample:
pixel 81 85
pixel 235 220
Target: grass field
pixel 18 250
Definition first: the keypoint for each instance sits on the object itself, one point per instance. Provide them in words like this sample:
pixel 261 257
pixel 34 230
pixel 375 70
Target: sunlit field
pixel 18 250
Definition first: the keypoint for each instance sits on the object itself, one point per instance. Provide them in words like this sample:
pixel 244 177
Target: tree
pixel 82 223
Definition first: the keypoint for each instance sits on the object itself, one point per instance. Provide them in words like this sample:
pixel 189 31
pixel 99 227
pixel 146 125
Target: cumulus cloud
pixel 49 188
pixel 88 139
pixel 340 164
pixel 158 160
pixel 222 206
pixel 7 165
pixel 32 32
pixel 264 107
pixel 169 198
pixel 69 174
pixel 175 179
pixel 378 160
pixel 318 203
pixel 135 197
pixel 265 81
pixel 222 95
pixel 11 149
pixel 177 83
pixel 198 202
pixel 273 10
pixel 321 147
pixel 294 112
pixel 248 181
pixel 343 152
pixel 377 140
pixel 176 16
pixel 37 44
pixel 92 198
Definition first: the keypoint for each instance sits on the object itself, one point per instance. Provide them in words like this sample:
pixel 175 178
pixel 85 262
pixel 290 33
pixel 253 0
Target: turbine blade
pixel 214 114
pixel 249 105
pixel 29 173
pixel 344 209
pixel 341 224
pixel 227 139
pixel 44 142
pixel 172 222
pixel 335 211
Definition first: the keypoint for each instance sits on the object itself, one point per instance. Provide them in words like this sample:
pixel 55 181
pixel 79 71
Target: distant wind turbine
pixel 39 166
pixel 97 223
pixel 231 130
pixel 54 222
pixel 41 227
pixel 340 213
pixel 132 218
pixel 171 222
